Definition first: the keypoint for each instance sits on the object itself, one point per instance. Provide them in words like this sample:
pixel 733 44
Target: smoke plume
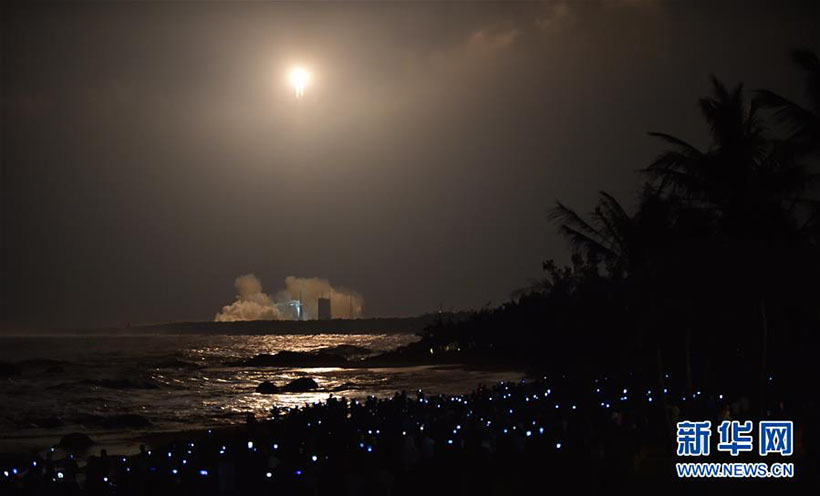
pixel 252 303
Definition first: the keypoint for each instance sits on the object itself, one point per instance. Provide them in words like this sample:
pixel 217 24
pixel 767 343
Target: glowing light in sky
pixel 299 78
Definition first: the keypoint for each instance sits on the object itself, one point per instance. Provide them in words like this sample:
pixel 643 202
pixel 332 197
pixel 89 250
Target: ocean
pixel 98 384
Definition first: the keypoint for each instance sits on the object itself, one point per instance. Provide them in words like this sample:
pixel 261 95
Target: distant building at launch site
pixel 324 309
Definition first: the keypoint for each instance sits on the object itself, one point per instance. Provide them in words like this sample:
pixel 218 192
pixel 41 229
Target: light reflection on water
pixel 182 381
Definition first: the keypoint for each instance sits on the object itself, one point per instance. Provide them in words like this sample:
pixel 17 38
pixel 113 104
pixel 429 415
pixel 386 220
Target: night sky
pixel 152 153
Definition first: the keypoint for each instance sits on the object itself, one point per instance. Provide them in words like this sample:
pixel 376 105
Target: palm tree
pixel 608 236
pixel 749 187
pixel 802 123
pixel 632 248
pixel 721 178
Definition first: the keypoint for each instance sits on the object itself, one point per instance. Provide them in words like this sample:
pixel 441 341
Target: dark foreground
pixel 539 436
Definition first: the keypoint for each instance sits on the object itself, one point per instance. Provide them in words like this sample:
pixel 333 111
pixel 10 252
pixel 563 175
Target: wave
pixel 110 383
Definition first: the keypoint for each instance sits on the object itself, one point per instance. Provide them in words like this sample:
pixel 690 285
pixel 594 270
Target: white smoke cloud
pixel 252 303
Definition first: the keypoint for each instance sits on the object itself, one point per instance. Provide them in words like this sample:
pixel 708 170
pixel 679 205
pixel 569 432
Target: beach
pixel 120 389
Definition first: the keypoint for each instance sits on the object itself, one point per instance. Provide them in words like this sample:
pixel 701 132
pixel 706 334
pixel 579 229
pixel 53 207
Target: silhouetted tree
pixel 802 123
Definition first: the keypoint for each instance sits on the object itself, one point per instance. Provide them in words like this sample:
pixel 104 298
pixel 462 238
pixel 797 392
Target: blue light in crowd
pixel 174 471
pixel 203 473
pixel 250 444
pixel 557 445
pixel 60 475
pixel 529 433
pixel 298 472
pixel 314 458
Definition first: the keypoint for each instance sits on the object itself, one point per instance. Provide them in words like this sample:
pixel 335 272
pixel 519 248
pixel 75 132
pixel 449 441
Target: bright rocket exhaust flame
pixel 299 78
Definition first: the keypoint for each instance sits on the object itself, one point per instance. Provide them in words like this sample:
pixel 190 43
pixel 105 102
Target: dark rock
pixel 76 441
pixel 300 385
pixel 267 387
pixel 347 350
